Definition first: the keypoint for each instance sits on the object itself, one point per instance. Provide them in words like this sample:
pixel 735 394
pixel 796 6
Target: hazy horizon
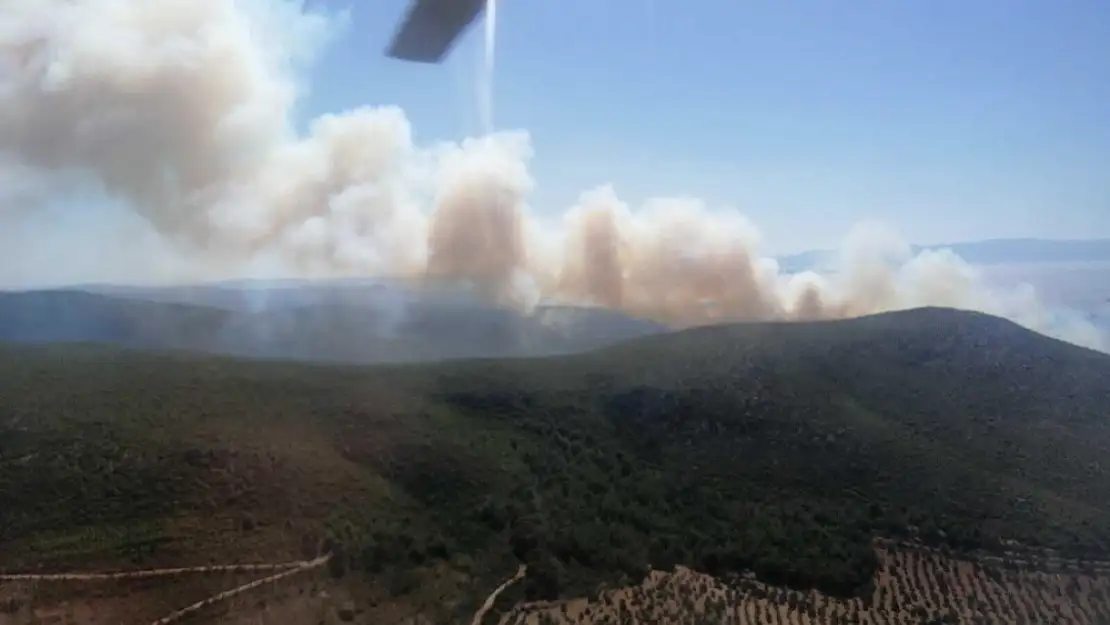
pixel 211 140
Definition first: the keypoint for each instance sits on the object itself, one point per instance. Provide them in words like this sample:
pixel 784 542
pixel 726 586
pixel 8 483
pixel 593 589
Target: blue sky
pixel 947 119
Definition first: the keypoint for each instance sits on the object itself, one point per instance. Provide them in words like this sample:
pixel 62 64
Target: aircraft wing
pixel 431 28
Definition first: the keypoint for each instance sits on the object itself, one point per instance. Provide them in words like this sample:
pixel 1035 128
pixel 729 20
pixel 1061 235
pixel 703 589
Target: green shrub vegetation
pixel 777 448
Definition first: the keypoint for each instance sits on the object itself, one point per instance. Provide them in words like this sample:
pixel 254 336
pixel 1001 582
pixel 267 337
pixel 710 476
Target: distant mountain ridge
pixel 984 252
pixel 344 322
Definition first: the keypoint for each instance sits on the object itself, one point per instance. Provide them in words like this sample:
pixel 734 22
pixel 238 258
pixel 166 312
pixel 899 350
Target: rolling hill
pixel 328 322
pixel 782 449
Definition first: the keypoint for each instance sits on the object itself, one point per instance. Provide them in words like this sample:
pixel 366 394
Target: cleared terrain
pixel 775 450
pixel 913 585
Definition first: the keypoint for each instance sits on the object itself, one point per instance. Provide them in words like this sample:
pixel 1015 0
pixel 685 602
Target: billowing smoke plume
pixel 179 111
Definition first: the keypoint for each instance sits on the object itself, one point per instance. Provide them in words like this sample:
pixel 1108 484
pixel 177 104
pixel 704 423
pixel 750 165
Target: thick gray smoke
pixel 177 113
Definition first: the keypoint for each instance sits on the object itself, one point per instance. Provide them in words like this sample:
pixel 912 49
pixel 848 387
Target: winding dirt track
pixel 110 575
pixel 228 594
pixel 477 620
pixel 286 569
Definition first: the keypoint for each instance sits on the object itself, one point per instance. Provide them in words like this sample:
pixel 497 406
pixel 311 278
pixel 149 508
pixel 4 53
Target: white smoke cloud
pixel 179 113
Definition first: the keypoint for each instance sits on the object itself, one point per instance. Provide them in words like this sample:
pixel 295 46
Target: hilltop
pixel 782 448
